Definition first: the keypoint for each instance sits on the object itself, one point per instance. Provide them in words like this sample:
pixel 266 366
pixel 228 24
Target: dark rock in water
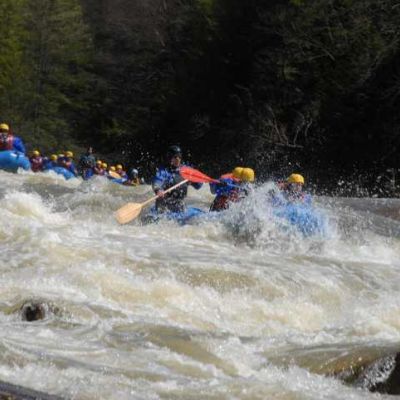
pixel 33 311
pixel 14 392
pixel 374 368
pixel 382 376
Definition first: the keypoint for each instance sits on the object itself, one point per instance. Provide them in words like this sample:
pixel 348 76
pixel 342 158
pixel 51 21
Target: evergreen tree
pixel 13 71
pixel 58 51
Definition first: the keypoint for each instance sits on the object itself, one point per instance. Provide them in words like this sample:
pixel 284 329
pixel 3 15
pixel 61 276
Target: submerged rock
pixel 376 369
pixel 34 311
pixel 382 376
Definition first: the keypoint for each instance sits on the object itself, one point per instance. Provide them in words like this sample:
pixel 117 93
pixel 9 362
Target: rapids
pixel 230 309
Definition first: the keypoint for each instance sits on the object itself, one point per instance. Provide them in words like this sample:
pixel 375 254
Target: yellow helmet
pixel 119 166
pixel 112 168
pixel 99 162
pixel 104 165
pixel 295 178
pixel 36 153
pixel 237 173
pixel 69 154
pixel 53 157
pixel 4 127
pixel 247 175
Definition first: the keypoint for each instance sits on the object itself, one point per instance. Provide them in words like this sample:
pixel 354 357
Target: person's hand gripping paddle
pixel 130 211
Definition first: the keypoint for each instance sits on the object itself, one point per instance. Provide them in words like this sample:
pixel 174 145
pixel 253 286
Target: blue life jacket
pixel 167 177
pixel 11 142
pixel 225 187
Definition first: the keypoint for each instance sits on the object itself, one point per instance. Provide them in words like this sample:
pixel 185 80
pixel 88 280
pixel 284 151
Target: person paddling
pixel 68 162
pixel 36 161
pixel 98 169
pixel 51 162
pixel 120 171
pixel 86 164
pixel 231 188
pixel 291 191
pixel 167 176
pixel 8 141
pixel 132 177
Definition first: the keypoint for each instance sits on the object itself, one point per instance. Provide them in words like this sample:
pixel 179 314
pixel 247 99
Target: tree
pixel 58 50
pixel 12 68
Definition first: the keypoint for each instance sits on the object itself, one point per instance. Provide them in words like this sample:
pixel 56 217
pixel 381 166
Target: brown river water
pixel 228 308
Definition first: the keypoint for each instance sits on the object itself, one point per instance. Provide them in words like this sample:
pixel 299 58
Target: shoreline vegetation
pixel 285 86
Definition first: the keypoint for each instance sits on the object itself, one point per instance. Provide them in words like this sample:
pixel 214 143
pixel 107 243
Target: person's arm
pixel 19 145
pixel 158 181
pixel 219 187
pixel 73 169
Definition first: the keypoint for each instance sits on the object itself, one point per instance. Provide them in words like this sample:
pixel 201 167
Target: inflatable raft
pixel 62 171
pixel 120 181
pixel 304 218
pixel 181 218
pixel 11 160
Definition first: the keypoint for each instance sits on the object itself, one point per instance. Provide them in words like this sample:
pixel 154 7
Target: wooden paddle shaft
pixel 165 191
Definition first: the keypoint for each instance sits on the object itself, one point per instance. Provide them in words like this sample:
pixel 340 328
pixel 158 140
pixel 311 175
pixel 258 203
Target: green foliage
pixel 44 66
pixel 230 80
pixel 12 68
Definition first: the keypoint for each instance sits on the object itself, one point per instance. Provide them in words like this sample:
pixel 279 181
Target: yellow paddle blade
pixel 128 212
pixel 114 175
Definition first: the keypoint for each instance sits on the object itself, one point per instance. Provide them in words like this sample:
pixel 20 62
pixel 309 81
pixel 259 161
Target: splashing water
pixel 236 307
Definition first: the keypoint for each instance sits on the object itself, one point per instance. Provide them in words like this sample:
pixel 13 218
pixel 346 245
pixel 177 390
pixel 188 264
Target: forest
pixel 280 86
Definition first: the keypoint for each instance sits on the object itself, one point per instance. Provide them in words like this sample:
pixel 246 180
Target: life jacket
pixel 222 202
pixel 122 173
pixel 98 171
pixel 295 197
pixel 6 142
pixel 229 175
pixel 36 164
pixel 223 199
pixel 167 177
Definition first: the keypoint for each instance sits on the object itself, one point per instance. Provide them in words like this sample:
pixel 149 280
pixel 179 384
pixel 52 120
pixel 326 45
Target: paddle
pixel 114 175
pixel 130 211
pixel 193 175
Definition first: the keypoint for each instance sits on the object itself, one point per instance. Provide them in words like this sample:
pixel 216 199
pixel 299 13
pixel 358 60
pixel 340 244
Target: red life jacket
pixel 36 164
pixel 6 142
pixel 229 175
pixel 222 202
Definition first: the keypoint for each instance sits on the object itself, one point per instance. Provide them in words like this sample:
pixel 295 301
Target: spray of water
pixel 241 305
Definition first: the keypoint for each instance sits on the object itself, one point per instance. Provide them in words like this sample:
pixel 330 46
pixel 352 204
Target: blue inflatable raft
pixel 11 160
pixel 304 218
pixel 181 218
pixel 120 181
pixel 62 171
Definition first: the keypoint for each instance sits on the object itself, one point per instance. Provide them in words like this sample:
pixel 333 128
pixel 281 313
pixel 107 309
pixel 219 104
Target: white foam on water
pixel 185 311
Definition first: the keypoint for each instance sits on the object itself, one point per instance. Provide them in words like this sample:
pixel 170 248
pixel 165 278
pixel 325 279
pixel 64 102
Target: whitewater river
pixel 232 309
